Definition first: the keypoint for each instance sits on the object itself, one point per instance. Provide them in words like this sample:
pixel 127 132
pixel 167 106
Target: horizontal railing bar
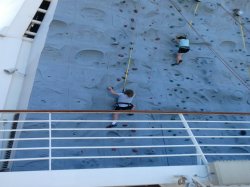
pixel 125 111
pixel 152 128
pixel 122 129
pixel 120 121
pixel 124 156
pixel 145 146
pixel 121 137
pixel 222 136
pixel 24 121
pixel 24 159
pixel 146 137
pixel 203 121
pixel 23 139
pixel 149 121
pixel 23 130
pixel 223 145
pixel 232 154
pixel 23 149
pixel 123 147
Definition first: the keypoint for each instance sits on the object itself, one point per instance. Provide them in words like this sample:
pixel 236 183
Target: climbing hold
pixel 135 150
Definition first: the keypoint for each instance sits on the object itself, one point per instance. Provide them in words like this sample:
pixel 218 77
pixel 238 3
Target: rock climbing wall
pixel 87 49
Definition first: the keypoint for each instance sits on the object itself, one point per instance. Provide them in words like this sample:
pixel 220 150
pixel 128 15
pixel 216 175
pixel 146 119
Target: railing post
pixel 197 146
pixel 50 141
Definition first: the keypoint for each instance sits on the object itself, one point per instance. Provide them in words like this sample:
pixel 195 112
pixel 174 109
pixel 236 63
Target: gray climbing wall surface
pixel 87 49
pixel 88 44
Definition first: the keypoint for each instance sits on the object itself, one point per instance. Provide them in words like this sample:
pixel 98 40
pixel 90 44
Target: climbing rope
pixel 195 11
pixel 211 49
pixel 196 7
pixel 133 37
pixel 128 65
pixel 242 34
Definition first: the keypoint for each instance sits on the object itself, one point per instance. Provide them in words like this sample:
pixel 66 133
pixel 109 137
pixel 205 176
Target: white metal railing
pixel 191 137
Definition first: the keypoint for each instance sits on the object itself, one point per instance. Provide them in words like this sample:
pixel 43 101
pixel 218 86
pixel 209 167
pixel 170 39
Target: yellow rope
pixel 196 8
pixel 127 70
pixel 195 11
pixel 190 24
pixel 242 34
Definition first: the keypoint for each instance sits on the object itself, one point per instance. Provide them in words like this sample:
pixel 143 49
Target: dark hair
pixel 182 37
pixel 129 93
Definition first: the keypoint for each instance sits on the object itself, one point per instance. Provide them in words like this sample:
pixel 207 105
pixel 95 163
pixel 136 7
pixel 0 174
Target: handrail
pixel 126 111
pixel 176 138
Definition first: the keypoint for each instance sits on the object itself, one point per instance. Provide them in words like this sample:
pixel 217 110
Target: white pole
pixel 50 141
pixel 197 146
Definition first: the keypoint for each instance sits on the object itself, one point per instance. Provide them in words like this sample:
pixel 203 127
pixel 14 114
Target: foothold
pixel 135 150
pixel 115 43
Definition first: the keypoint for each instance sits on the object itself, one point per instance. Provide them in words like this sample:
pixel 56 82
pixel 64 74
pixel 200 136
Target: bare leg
pixel 115 117
pixel 179 58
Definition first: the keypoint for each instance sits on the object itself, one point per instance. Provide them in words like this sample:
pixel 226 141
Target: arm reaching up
pixel 112 91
